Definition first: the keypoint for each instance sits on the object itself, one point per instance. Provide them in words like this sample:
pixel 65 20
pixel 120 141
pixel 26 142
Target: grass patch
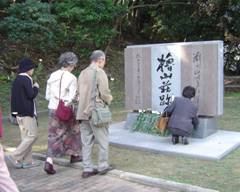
pixel 5 97
pixel 230 120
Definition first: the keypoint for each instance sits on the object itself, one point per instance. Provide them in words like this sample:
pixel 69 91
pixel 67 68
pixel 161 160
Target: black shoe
pixel 87 174
pixel 103 172
pixel 48 168
pixel 175 139
pixel 75 159
pixel 185 141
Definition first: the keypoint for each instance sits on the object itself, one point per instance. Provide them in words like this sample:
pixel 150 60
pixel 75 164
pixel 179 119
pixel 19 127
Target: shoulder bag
pixel 101 115
pixel 63 112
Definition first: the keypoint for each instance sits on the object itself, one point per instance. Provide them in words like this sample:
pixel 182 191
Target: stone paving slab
pixel 69 180
pixel 72 176
pixel 136 178
pixel 213 147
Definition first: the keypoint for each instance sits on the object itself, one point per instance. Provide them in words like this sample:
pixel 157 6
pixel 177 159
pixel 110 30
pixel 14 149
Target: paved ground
pixel 69 180
pixel 222 143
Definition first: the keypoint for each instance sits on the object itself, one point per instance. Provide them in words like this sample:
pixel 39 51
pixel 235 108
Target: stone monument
pixel 155 73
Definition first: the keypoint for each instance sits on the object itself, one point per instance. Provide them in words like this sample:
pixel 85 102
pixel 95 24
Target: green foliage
pixel 3 78
pixel 39 30
pixel 5 96
pixel 39 74
pixel 231 24
pixel 232 15
pixel 190 21
pixel 3 4
pixel 30 25
pixel 146 123
pixel 232 58
pixel 87 24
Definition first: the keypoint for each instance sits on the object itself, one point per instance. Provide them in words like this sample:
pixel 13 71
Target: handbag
pixel 101 115
pixel 161 124
pixel 63 112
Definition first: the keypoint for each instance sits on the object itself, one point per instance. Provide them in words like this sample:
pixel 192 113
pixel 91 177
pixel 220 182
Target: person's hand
pixel 36 85
pixel 111 98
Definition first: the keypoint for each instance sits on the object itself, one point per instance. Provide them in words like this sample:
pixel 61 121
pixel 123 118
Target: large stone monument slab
pixel 155 73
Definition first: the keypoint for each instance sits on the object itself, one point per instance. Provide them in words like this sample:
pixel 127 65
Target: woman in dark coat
pixel 183 116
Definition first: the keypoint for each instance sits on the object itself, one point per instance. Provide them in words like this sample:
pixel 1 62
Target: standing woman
pixel 63 136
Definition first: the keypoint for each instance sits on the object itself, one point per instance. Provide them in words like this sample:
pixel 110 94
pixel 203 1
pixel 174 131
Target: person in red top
pixel 6 182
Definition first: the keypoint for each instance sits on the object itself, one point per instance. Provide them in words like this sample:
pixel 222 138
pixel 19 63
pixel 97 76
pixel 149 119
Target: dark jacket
pixel 22 96
pixel 183 115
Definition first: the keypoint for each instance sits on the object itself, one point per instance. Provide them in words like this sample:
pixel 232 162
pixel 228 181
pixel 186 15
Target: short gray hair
pixel 68 58
pixel 96 55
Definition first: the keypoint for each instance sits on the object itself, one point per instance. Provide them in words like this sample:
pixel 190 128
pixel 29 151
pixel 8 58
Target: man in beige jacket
pixel 89 132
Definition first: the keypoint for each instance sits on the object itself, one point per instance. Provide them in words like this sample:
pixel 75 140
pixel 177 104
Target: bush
pixel 87 25
pixel 30 25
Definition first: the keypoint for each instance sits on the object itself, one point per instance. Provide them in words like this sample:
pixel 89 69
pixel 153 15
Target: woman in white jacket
pixel 63 136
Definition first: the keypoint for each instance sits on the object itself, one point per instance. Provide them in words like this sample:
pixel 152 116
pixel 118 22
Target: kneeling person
pixel 183 117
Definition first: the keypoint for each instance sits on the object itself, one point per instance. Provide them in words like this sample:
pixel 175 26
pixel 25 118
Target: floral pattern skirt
pixel 63 136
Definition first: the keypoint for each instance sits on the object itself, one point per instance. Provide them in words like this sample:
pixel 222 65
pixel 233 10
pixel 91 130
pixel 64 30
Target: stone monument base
pixel 213 147
pixel 207 126
pixel 131 118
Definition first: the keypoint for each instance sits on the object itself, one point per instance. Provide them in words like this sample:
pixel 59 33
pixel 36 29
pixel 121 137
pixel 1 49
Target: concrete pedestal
pixel 206 127
pixel 131 118
pixel 213 147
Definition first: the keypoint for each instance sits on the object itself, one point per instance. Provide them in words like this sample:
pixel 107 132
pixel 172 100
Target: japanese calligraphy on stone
pixel 164 69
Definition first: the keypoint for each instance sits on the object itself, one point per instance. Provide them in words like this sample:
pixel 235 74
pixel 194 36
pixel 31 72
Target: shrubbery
pixel 39 30
pixel 30 25
pixel 44 29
